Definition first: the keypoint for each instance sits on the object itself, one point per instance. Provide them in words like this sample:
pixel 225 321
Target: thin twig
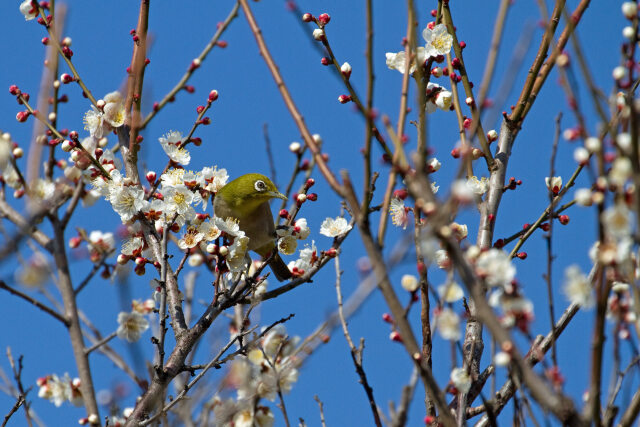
pixel 320 406
pixel 356 353
pixel 102 342
pixel 35 302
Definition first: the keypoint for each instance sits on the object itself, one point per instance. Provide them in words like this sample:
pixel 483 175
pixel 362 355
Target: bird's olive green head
pixel 249 191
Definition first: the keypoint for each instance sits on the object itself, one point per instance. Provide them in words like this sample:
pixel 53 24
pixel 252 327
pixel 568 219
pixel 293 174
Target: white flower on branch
pixel 461 379
pixel 617 220
pixel 621 171
pixel 236 258
pixel 577 287
pixel 409 283
pixel 495 267
pixel 190 238
pixel 131 326
pixel 448 324
pixel 334 227
pixel 554 184
pixel 212 179
pixel 439 41
pixel 450 292
pixel 399 213
pixel 178 201
pixel 127 201
pixel 307 259
pixel 172 145
pixel 28 9
pixel 287 244
pixel 398 61
pixel 478 186
pixel 59 390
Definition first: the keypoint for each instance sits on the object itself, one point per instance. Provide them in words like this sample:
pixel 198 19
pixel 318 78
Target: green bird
pixel 246 199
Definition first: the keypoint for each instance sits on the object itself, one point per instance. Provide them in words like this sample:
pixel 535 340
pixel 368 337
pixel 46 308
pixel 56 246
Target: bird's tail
pixel 279 268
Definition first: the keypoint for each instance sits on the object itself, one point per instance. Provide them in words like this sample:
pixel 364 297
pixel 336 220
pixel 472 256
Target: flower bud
pixel 630 9
pixel 66 78
pixel 395 336
pixel 343 99
pixel 122 259
pixel 151 177
pixel 318 34
pixel 324 18
pixel 307 17
pixel 213 95
pixel 564 219
pixel 294 147
pixel 346 70
pixel 74 242
pixel 18 152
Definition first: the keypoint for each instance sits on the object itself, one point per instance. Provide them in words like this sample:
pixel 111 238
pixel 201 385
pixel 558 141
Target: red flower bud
pixel 564 219
pixel 324 18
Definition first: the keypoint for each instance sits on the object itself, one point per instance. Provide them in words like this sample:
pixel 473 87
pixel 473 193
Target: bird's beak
pixel 277 195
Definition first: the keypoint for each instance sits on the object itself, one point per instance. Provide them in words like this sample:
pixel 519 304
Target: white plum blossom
pixel 621 170
pixel 398 61
pixel 42 190
pixel 399 213
pixel 462 191
pixel 178 200
pixel 554 184
pixel 496 268
pixel 437 97
pixel 191 238
pixel 334 227
pixel 450 292
pixel 583 197
pixel 439 41
pixel 59 390
pixel 478 186
pixel 212 179
pixel 461 379
pixel 442 259
pixel 211 231
pixel 448 324
pixel 229 226
pixel 577 287
pixel 237 256
pixel 616 220
pixel 433 164
pixel 300 229
pixel 102 121
pixel 28 9
pixel 114 109
pixel 131 326
pixel 172 145
pixel 287 244
pixel 409 283
pixel 308 257
pixel 127 201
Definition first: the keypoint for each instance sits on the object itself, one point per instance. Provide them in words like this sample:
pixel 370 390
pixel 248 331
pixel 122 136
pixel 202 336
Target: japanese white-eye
pixel 246 199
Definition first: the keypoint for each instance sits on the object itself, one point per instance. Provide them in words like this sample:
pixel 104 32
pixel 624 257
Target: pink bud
pixel 564 219
pixel 213 95
pixel 74 242
pixel 312 196
pixel 324 18
pixel 387 318
pixel 325 61
pixel 343 99
pixel 151 177
pixel 395 336
pixel 66 78
pixel 307 17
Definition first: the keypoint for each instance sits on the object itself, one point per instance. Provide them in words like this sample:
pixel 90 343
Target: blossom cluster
pixel 268 369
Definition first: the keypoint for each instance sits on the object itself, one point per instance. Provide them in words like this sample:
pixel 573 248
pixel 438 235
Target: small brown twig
pixel 548 237
pixel 356 353
pixel 221 28
pixel 100 343
pixel 320 406
pixel 34 302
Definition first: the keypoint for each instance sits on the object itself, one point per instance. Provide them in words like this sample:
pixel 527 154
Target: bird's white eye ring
pixel 260 185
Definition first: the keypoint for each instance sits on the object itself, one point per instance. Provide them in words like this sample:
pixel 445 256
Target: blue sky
pixel 249 99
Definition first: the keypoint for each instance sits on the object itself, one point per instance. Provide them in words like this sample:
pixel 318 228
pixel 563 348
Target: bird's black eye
pixel 260 185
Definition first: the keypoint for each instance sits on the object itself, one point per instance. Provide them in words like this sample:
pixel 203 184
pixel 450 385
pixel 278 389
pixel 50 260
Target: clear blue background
pixel 249 99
